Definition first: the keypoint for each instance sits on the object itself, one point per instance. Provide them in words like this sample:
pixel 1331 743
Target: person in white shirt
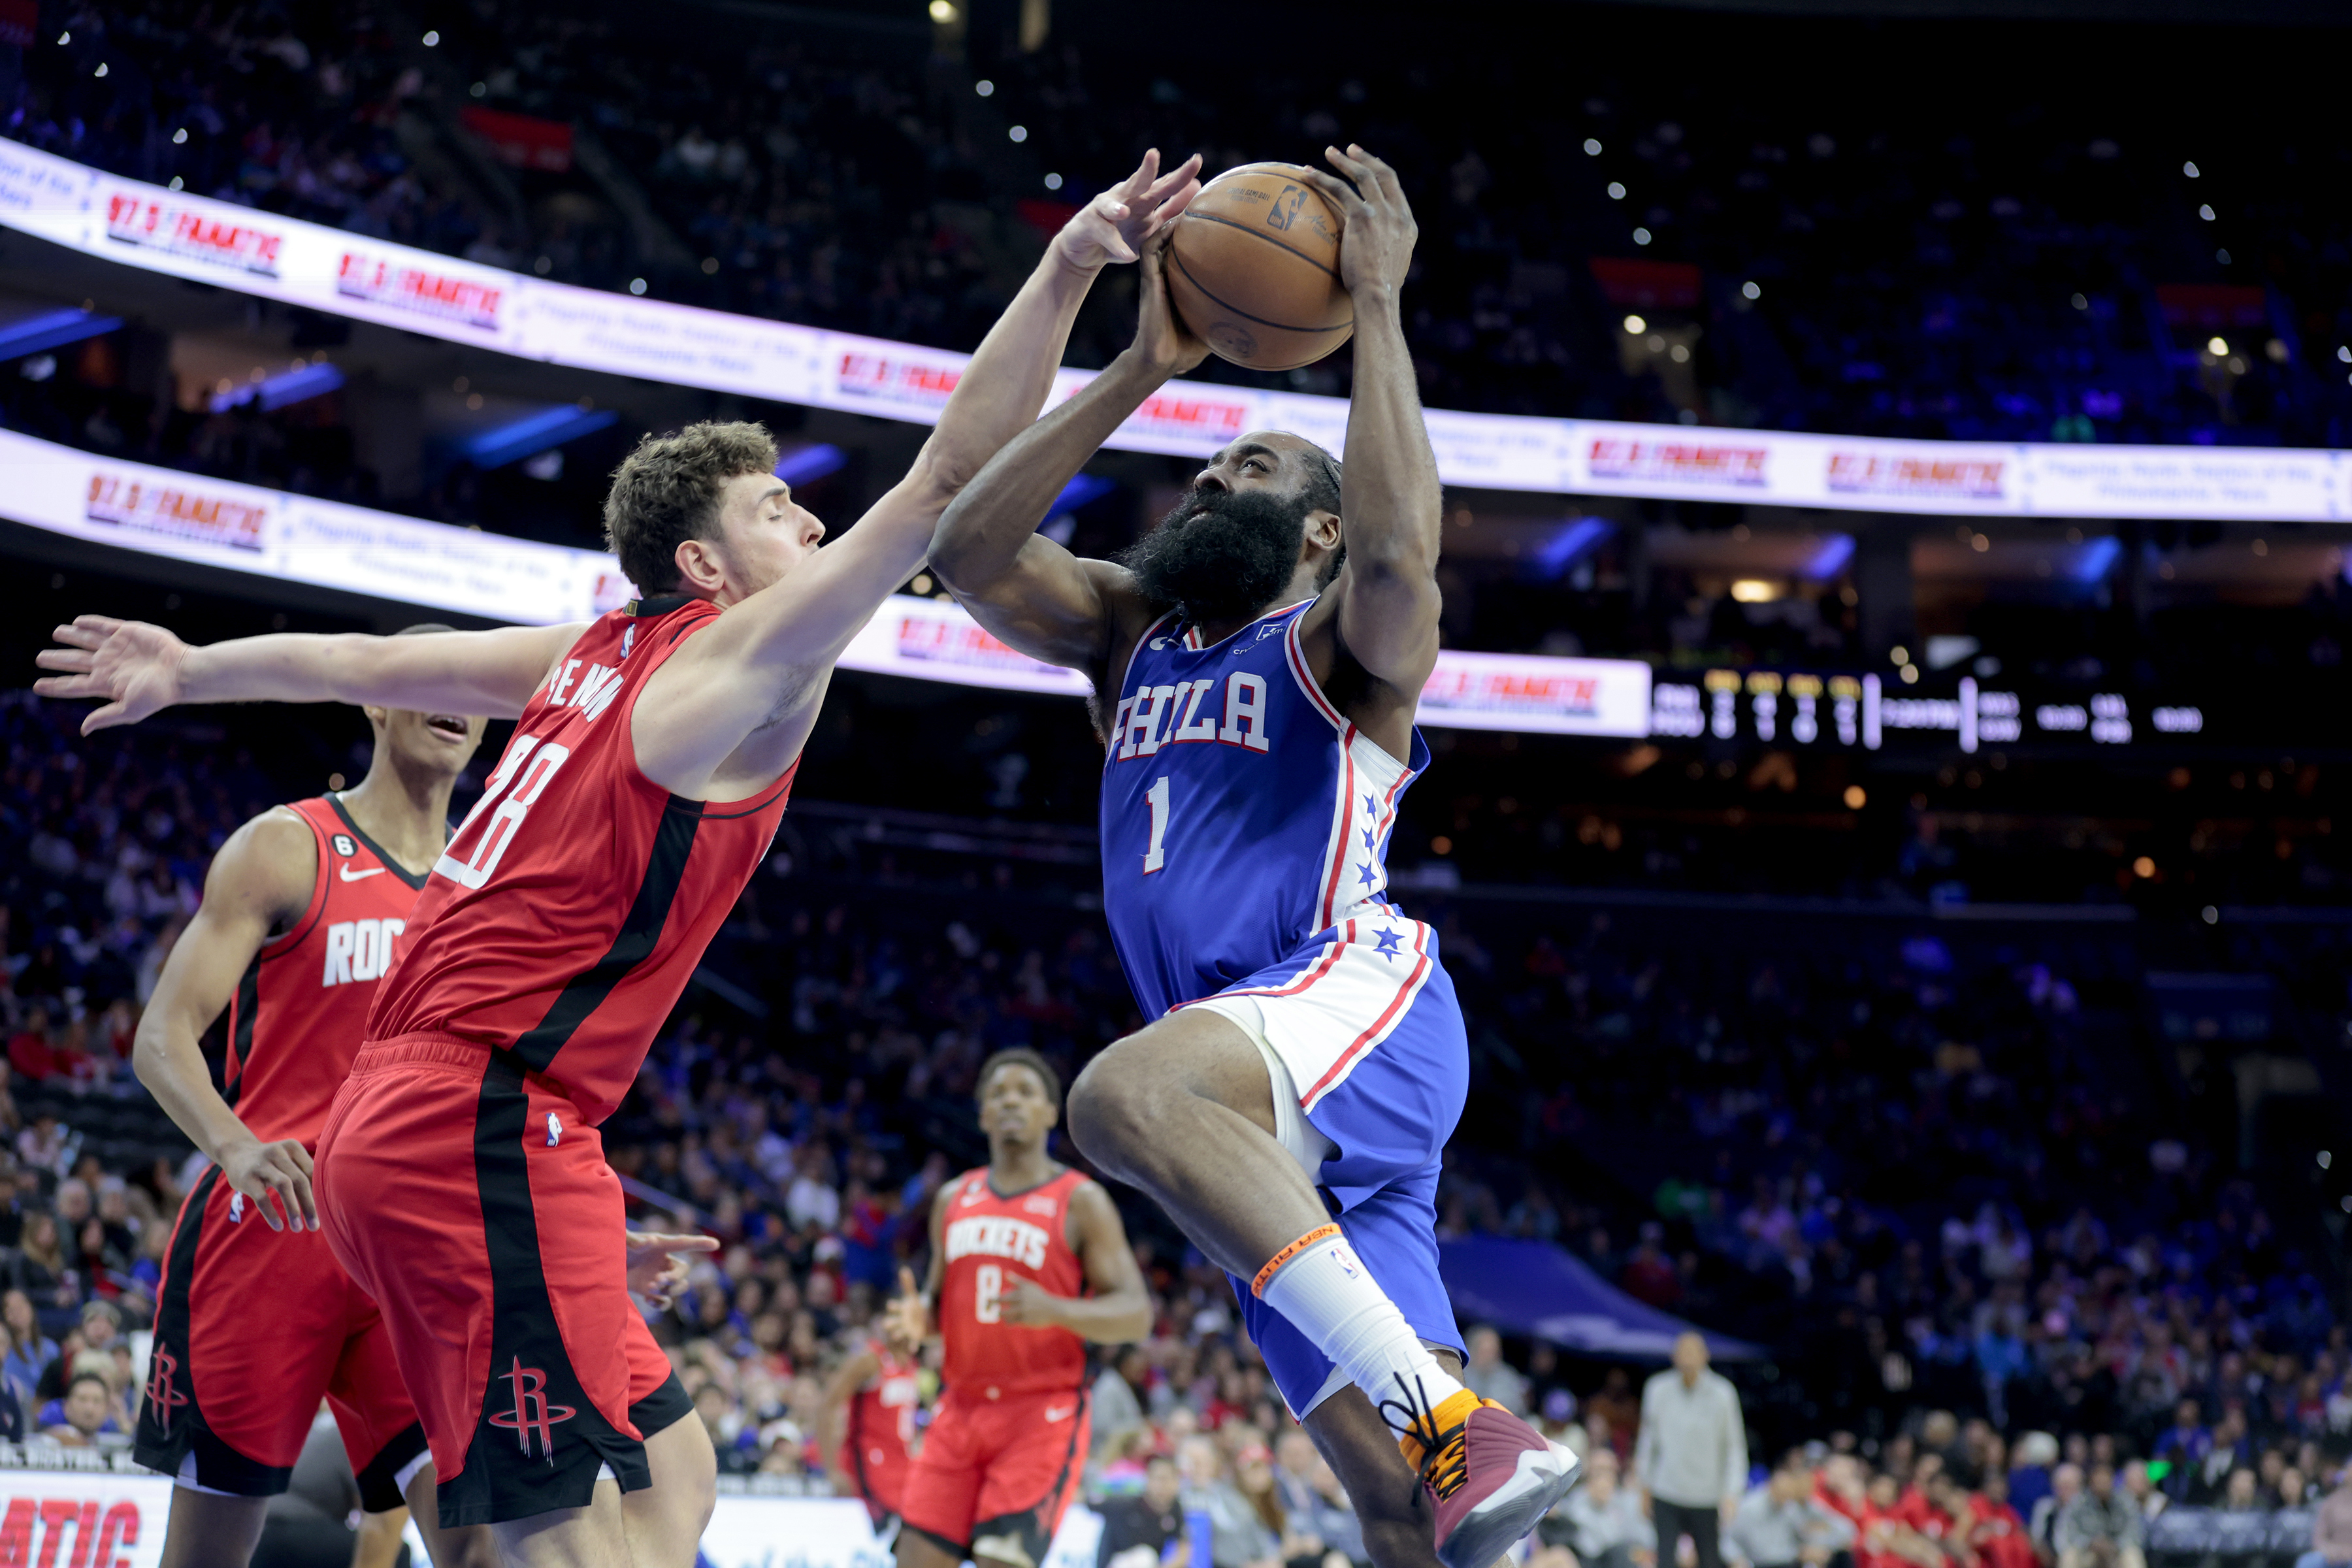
pixel 1692 1453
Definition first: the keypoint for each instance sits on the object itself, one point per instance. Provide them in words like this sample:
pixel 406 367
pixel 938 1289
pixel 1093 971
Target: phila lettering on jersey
pixel 1242 813
pixel 300 1010
pixel 576 897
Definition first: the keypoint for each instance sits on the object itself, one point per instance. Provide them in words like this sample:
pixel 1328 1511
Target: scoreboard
pixel 1866 714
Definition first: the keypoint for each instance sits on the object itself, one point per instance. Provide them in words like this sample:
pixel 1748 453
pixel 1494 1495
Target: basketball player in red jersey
pixel 870 1403
pixel 460 1176
pixel 302 908
pixel 1029 1265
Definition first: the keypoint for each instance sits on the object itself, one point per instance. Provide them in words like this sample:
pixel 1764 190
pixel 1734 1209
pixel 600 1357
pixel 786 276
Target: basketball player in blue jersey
pixel 1257 660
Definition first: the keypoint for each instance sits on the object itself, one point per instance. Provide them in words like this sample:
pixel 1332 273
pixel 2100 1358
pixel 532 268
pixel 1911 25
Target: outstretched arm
pixel 140 669
pixel 1026 589
pixel 1390 502
pixel 800 623
pixel 261 879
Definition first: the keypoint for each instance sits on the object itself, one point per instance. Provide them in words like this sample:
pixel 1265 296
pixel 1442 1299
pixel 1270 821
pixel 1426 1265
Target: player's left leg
pixel 666 1519
pixel 1040 1459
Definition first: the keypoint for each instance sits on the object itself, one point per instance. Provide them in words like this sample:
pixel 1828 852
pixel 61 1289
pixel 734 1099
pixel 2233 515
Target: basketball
pixel 1253 268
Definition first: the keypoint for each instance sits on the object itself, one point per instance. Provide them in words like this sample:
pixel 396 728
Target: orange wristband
pixel 1258 1285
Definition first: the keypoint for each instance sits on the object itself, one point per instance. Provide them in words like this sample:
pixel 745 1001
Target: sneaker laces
pixel 1444 1464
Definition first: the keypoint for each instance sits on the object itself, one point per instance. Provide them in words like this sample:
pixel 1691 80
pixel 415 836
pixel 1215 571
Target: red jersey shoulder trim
pixel 279 947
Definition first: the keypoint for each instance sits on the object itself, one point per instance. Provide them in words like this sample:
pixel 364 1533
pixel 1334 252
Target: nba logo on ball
pixel 1253 268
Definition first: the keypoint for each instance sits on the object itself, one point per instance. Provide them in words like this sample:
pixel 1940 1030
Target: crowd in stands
pixel 1925 1173
pixel 1900 265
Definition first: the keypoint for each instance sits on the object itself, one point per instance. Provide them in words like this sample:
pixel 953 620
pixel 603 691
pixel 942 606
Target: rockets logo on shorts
pixel 532 1415
pixel 163 1396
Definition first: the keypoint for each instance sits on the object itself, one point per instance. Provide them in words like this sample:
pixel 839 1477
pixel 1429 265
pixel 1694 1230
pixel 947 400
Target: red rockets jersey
pixel 880 1426
pixel 575 899
pixel 991 1241
pixel 301 1008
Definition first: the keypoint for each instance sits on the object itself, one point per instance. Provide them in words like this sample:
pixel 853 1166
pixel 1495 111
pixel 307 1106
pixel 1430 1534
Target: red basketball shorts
pixel 474 1203
pixel 253 1327
pixel 995 1476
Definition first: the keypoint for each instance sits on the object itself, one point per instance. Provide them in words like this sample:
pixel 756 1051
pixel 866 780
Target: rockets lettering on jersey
pixel 997 1235
pixel 989 1244
pixel 287 1039
pixel 1242 813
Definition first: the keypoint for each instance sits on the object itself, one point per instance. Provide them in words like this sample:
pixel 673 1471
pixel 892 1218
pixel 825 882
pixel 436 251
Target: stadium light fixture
pixel 1636 326
pixel 180 137
pixel 534 434
pixel 2190 169
pixel 1019 133
pixel 1640 236
pixel 1616 190
pixel 983 87
pixel 2206 212
pixel 1052 182
pixel 1755 591
pixel 432 40
pixel 1856 797
pixel 1591 148
pixel 1751 289
pixel 942 13
pixel 2218 347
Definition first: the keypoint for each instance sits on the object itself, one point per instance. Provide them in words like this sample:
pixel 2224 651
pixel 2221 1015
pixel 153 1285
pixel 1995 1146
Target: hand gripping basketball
pixel 1376 246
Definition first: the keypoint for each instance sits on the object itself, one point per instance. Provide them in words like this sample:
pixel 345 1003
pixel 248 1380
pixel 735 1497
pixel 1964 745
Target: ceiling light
pixel 1751 290
pixel 2217 347
pixel 1636 325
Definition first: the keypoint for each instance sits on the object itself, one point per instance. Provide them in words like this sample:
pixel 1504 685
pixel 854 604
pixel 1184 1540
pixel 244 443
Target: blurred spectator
pixel 1598 1525
pixel 1781 1523
pixel 2331 1527
pixel 86 1416
pixel 1241 1537
pixel 1138 1526
pixel 1313 1503
pixel 1692 1451
pixel 1489 1377
pixel 2099 1528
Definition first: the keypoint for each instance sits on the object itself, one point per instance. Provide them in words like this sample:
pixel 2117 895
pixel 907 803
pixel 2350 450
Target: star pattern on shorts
pixel 1366 875
pixel 1371 839
pixel 1371 805
pixel 1385 945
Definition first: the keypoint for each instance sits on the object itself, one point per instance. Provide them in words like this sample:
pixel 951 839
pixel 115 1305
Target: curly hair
pixel 666 492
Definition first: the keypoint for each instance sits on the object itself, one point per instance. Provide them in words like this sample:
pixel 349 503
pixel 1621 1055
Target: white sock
pixel 1322 1286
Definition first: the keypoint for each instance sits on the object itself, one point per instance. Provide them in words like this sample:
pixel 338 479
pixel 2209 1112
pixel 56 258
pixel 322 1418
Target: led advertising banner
pixel 327 270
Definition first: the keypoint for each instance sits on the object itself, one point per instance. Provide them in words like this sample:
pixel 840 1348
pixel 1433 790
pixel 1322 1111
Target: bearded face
pixel 1219 554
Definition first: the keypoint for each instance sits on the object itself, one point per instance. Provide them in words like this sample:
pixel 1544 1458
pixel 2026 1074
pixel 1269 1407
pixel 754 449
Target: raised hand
pixel 135 666
pixel 1376 250
pixel 1162 339
pixel 278 1171
pixel 1114 226
pixel 658 1263
pixel 906 1317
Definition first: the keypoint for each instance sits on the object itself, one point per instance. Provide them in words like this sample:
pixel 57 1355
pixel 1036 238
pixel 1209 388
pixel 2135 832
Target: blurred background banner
pixel 1541 1290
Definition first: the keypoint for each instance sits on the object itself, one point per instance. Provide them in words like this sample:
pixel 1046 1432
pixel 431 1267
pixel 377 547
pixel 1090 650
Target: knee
pixel 1109 1107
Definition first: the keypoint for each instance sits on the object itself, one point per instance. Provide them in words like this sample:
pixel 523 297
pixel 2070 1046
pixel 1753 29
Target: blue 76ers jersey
pixel 1241 811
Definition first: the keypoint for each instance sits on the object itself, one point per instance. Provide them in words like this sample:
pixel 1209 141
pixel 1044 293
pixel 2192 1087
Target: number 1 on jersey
pixel 1157 856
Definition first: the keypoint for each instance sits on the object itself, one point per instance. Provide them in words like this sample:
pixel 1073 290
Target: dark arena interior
pixel 1887 727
